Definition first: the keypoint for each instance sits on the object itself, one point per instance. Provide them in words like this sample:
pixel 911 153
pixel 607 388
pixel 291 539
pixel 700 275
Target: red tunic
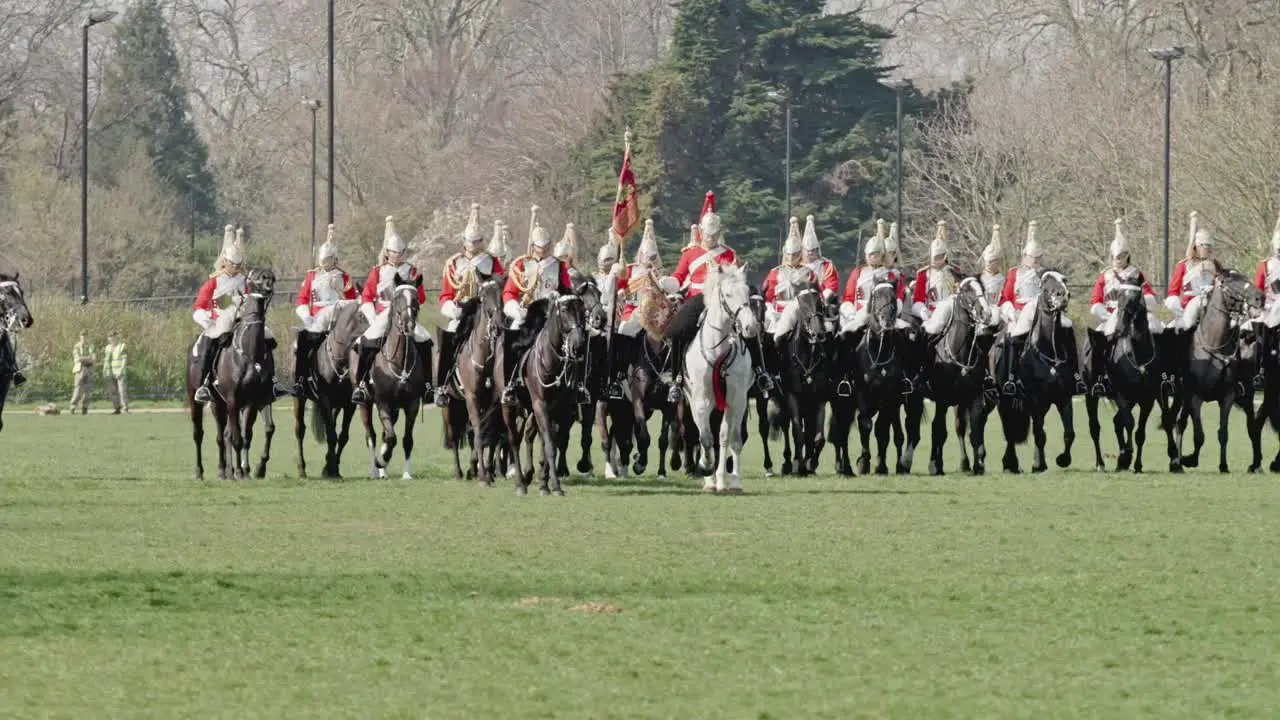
pixel 828 279
pixel 853 294
pixel 204 298
pixel 306 296
pixel 511 291
pixel 449 291
pixel 1007 294
pixel 691 271
pixel 370 294
pixel 771 286
pixel 1099 295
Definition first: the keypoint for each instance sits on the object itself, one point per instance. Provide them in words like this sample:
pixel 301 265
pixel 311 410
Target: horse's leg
pixel 884 422
pixel 248 421
pixel 762 427
pixel 268 432
pixel 389 414
pixel 817 432
pixel 1254 421
pixel 547 429
pixel 912 416
pixel 1192 413
pixel 732 439
pixel 1067 412
pixel 1038 414
pixel 978 414
pixel 1140 432
pixel 664 442
pixel 865 421
pixel 962 430
pixel 348 414
pixel 1095 430
pixel 513 437
pixel 197 434
pixel 939 440
pixel 797 459
pixel 300 432
pixel 235 436
pixel 1122 424
pixel 410 417
pixel 642 439
pixel 477 442
pixel 220 420
pixel 366 417
pixel 701 409
pixel 589 413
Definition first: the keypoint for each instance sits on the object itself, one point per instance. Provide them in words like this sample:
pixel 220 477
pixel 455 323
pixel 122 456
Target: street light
pixel 897 86
pixel 191 209
pixel 784 98
pixel 314 107
pixel 90 20
pixel 332 104
pixel 1167 56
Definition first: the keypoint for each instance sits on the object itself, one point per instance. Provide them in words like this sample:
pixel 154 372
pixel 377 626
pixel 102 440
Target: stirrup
pixel 844 388
pixel 584 397
pixel 1010 388
pixel 763 381
pixel 508 395
pixel 203 394
pixel 1260 380
pixel 360 395
pixel 18 379
pixel 442 396
pixel 674 393
pixel 614 391
pixel 1099 389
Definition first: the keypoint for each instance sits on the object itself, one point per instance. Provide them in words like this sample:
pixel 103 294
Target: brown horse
pixel 398 380
pixel 243 384
pixel 477 416
pixel 329 389
pixel 13 315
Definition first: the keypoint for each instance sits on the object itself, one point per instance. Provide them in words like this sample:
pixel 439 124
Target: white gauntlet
pixel 369 313
pixel 450 310
pixel 1099 310
pixel 1174 303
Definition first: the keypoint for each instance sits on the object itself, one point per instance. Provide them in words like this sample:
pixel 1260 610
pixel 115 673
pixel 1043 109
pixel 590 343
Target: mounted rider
pixel 992 275
pixel 1102 305
pixel 863 279
pixel 464 273
pixel 935 283
pixel 1193 278
pixel 644 289
pixel 705 248
pixel 566 251
pixel 1268 280
pixel 375 304
pixel 784 283
pixel 536 275
pixel 215 312
pixel 1018 302
pixel 323 288
pixel 823 269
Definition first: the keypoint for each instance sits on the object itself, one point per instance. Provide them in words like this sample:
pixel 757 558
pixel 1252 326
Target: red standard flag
pixel 626 209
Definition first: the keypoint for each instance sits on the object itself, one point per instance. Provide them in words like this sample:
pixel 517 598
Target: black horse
pixel 1131 363
pixel 551 373
pixel 805 351
pixel 954 375
pixel 591 410
pixel 1218 367
pixel 329 388
pixel 878 354
pixel 1045 361
pixel 14 315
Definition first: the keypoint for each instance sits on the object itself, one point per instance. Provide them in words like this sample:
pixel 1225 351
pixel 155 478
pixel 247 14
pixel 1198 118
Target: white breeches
pixel 629 327
pixel 1271 315
pixel 214 329
pixel 382 322
pixel 1020 321
pixel 1190 314
pixel 852 317
pixel 321 322
pixel 937 320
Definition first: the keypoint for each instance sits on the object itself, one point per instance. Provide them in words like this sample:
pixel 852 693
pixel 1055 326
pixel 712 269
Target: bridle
pixel 406 318
pixel 1232 304
pixel 974 309
pixel 567 356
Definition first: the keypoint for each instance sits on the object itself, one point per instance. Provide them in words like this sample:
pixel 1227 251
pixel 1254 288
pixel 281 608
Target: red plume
pixel 709 205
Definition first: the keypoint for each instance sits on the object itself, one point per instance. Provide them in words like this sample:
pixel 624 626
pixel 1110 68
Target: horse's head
pixel 756 302
pixel 261 281
pixel 809 313
pixel 1054 294
pixel 728 299
pixel 971 302
pixel 567 325
pixel 404 304
pixel 253 307
pixel 13 304
pixel 1131 309
pixel 882 308
pixel 592 304
pixel 1238 292
pixel 490 294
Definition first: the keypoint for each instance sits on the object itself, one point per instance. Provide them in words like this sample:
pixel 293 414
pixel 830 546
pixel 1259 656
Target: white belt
pixel 695 286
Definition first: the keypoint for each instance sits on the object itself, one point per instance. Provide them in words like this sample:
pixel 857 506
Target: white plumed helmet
pixel 391 241
pixel 793 244
pixel 608 254
pixel 232 252
pixel 538 236
pixel 472 235
pixel 1119 245
pixel 810 235
pixel 567 248
pixel 647 254
pixel 891 242
pixel 711 226
pixel 694 237
pixel 1032 246
pixel 991 253
pixel 498 243
pixel 939 246
pixel 328 249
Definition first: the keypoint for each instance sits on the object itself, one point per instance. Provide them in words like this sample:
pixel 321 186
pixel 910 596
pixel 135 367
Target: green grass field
pixel 128 590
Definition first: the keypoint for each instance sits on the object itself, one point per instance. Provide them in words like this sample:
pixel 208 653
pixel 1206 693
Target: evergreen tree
pixel 712 117
pixel 144 103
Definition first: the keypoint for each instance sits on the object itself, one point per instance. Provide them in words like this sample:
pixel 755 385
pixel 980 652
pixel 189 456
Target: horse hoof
pixel 1037 469
pixel 676 462
pixel 902 469
pixel 882 469
pixel 734 491
pixel 585 467
pixel 964 465
pixel 1064 460
pixel 709 488
pixel 1190 461
pixel 864 467
pixel 1275 466
pixel 544 492
pixel 979 469
pixel 260 473
pixel 558 493
pixel 1175 468
pixel 199 477
pixel 638 468
pixel 662 476
pixel 935 468
pixel 406 476
pixel 786 468
pixel 521 492
pixel 1100 467
pixel 1223 468
pixel 382 474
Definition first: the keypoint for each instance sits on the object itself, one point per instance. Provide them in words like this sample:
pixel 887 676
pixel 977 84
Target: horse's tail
pixel 1017 423
pixel 319 423
pixel 778 417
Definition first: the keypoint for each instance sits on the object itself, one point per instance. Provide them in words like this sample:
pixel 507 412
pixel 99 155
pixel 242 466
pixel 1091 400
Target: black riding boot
pixel 755 346
pixel 1073 362
pixel 364 359
pixel 512 380
pixel 1012 386
pixel 302 358
pixel 1263 333
pixel 443 366
pixel 1094 357
pixel 208 355
pixel 424 356
pixel 619 360
pixel 676 391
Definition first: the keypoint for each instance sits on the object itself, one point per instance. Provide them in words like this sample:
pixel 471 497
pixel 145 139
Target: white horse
pixel 718 370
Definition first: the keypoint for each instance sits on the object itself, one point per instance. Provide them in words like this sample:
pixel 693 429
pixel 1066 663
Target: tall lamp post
pixel 898 86
pixel 785 99
pixel 332 105
pixel 314 107
pixel 90 20
pixel 191 209
pixel 1167 56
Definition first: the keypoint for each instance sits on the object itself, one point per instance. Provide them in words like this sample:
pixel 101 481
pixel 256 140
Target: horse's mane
pixel 6 277
pixel 470 310
pixel 537 312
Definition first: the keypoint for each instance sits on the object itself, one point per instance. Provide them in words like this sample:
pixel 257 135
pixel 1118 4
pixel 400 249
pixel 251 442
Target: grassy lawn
pixel 128 590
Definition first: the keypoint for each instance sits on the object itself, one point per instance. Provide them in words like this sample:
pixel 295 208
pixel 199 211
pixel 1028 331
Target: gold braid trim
pixel 465 286
pixel 525 288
